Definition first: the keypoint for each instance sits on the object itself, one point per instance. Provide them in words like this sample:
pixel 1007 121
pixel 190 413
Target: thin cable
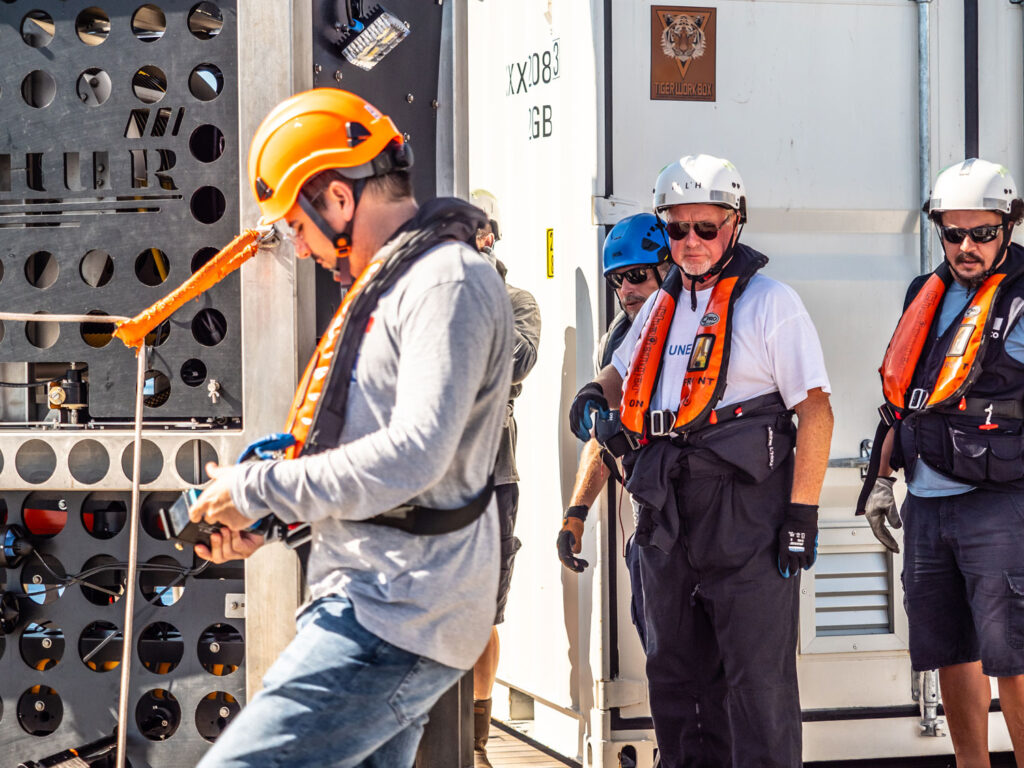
pixel 27 384
pixel 47 318
pixel 133 561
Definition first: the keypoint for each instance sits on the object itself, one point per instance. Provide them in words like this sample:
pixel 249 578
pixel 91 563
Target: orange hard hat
pixel 316 131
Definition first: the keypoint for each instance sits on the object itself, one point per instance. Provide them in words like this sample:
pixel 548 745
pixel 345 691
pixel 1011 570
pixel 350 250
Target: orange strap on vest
pixel 904 351
pixel 643 371
pixel 300 417
pixel 705 366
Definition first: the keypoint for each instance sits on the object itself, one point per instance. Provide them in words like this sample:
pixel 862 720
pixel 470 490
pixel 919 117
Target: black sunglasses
pixel 983 234
pixel 636 276
pixel 706 230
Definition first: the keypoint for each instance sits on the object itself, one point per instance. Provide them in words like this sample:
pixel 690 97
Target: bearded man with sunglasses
pixel 709 377
pixel 953 420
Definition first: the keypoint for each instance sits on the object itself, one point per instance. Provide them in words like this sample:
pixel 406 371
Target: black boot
pixel 481 729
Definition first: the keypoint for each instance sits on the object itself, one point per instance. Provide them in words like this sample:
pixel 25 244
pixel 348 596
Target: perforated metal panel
pixel 118 173
pixel 59 681
pixel 118 177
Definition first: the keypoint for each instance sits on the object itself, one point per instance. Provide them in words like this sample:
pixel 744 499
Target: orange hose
pixel 133 332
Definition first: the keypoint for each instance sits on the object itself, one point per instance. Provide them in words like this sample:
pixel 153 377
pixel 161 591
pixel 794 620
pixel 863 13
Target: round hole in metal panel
pixel 96 268
pixel 156 389
pixel 41 269
pixel 93 87
pixel 207 205
pixel 92 26
pixel 37 29
pixel 214 712
pixel 152 266
pixel 161 648
pixel 97 335
pixel 38 89
pixel 190 461
pixel 35 462
pixel 209 327
pixel 88 462
pixel 150 513
pixel 193 372
pixel 42 645
pixel 103 580
pixel 104 514
pixel 221 649
pixel 206 143
pixel 158 714
pixel 100 646
pixel 43 579
pixel 42 334
pixel 149 23
pixel 206 82
pixel 149 84
pixel 200 257
pixel 44 513
pixel 159 335
pixel 150 466
pixel 161 581
pixel 205 21
pixel 40 710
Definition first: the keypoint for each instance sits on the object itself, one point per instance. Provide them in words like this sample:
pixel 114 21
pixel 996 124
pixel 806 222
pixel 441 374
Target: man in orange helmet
pixel 396 425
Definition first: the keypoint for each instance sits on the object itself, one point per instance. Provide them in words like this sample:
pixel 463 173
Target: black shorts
pixel 963 580
pixel 507 497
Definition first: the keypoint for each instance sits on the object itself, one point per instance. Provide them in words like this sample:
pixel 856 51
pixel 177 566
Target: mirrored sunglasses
pixel 983 234
pixel 636 276
pixel 706 230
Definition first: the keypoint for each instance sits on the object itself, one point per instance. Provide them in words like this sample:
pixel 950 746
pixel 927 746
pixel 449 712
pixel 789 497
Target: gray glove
pixel 881 506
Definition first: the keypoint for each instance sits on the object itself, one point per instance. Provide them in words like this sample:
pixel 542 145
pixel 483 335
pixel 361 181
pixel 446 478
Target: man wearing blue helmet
pixel 635 259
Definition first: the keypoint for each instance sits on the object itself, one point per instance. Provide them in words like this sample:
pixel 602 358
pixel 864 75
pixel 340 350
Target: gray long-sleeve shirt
pixel 423 419
pixel 525 340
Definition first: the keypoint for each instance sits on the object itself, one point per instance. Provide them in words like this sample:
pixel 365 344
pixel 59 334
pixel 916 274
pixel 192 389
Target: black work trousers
pixel 721 628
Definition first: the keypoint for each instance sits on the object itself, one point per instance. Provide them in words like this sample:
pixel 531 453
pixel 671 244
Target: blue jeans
pixel 338 696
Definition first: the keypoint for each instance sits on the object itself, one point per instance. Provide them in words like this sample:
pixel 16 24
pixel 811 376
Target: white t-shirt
pixel 775 347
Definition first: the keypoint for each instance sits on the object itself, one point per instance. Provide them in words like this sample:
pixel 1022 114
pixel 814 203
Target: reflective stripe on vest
pixel 704 383
pixel 300 417
pixel 962 356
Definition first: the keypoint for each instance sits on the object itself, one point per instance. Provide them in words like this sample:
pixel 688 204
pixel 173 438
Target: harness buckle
pixel 917 398
pixel 660 423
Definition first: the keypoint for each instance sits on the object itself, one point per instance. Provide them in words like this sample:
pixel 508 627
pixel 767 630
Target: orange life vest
pixel 961 363
pixel 300 417
pixel 704 383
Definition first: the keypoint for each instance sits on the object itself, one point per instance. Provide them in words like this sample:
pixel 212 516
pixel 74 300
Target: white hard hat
pixel 701 179
pixel 974 185
pixel 487 203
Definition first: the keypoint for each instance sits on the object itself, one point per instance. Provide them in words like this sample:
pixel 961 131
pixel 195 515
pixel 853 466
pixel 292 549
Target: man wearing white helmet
pixel 953 381
pixel 708 378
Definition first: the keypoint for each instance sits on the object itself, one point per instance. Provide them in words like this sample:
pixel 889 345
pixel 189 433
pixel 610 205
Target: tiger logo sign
pixel 683 38
pixel 682 53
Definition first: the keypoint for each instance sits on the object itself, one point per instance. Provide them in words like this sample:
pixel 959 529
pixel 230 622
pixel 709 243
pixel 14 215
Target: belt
pixel 979 406
pixel 660 423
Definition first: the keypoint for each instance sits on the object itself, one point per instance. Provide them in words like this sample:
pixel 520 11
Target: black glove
pixel 798 539
pixel 570 538
pixel 881 506
pixel 581 422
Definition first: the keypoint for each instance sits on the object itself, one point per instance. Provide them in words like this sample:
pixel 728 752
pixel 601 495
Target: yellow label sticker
pixel 551 252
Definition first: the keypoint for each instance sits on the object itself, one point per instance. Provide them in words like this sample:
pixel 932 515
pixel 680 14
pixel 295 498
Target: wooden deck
pixel 506 750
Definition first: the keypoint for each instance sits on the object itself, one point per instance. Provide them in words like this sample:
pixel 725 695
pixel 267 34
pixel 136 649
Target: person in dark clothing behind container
pixel 526 338
pixel 635 260
pixel 714 366
pixel 953 381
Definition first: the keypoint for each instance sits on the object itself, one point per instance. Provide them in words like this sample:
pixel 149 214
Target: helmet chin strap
pixel 715 269
pixel 342 241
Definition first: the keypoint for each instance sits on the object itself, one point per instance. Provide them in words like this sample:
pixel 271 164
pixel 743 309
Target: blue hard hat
pixel 637 240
